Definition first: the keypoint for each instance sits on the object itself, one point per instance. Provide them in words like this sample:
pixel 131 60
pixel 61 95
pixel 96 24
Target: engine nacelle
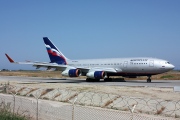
pixel 71 73
pixel 96 74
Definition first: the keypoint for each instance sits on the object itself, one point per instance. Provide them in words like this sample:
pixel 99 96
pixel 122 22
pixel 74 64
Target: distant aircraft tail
pixel 55 55
pixel 9 58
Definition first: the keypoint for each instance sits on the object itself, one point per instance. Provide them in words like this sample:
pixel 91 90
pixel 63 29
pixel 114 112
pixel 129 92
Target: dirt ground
pixel 153 93
pixel 145 92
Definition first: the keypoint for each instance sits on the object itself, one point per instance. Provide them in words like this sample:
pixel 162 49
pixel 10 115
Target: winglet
pixel 10 59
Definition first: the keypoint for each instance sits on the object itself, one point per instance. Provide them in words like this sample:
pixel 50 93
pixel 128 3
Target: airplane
pixel 96 69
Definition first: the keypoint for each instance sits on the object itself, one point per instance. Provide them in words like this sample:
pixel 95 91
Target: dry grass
pixel 46 98
pixel 33 89
pixel 56 95
pixel 172 75
pixel 110 101
pixel 71 97
pixel 126 109
pixel 161 110
pixel 140 111
pixel 46 91
pixel 177 116
pixel 21 89
pixel 32 73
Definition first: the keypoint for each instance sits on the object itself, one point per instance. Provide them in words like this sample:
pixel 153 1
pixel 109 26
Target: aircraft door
pixel 151 63
pixel 125 64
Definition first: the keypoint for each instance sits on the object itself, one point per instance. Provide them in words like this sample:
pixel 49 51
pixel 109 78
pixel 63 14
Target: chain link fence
pixel 61 104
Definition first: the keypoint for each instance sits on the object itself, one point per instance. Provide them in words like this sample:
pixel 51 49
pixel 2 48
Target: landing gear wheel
pixel 88 80
pixel 149 79
pixel 107 79
pixel 92 80
pixel 96 80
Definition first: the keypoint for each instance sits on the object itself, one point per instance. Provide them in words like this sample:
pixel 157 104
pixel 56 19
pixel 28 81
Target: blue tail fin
pixel 54 54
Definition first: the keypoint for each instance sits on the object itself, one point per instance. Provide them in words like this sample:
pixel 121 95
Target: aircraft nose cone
pixel 171 67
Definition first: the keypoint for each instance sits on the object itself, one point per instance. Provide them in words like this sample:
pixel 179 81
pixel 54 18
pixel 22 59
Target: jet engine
pixel 71 73
pixel 96 74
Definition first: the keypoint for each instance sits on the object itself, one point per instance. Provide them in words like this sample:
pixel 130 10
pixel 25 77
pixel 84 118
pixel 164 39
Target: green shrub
pixel 6 114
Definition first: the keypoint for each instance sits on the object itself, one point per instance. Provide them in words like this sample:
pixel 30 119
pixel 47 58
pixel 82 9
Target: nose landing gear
pixel 149 79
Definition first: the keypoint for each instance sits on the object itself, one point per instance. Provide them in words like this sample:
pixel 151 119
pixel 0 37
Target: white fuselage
pixel 126 66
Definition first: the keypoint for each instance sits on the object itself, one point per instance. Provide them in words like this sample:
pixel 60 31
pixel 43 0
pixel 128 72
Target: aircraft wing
pixel 38 64
pixel 48 65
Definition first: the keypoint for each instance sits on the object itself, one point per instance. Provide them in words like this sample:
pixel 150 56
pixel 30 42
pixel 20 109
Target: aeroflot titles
pixel 139 60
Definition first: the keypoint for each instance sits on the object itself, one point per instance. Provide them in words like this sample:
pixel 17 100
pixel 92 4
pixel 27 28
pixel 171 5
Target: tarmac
pixel 115 82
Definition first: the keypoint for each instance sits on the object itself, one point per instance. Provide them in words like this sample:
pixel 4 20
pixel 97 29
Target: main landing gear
pixel 149 79
pixel 92 80
pixel 97 80
pixel 107 79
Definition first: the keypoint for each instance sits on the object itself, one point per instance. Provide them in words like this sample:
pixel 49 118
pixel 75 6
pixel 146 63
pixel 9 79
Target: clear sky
pixel 84 29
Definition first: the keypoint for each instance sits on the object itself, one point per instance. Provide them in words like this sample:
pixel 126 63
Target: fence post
pixel 132 111
pixel 73 107
pixel 36 96
pixel 37 109
pixel 5 88
pixel 14 101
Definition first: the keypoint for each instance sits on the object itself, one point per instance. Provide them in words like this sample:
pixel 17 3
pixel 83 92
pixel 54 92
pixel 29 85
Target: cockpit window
pixel 167 62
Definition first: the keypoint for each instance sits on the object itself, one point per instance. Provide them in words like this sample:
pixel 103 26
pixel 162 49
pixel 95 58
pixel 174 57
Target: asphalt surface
pixel 115 82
